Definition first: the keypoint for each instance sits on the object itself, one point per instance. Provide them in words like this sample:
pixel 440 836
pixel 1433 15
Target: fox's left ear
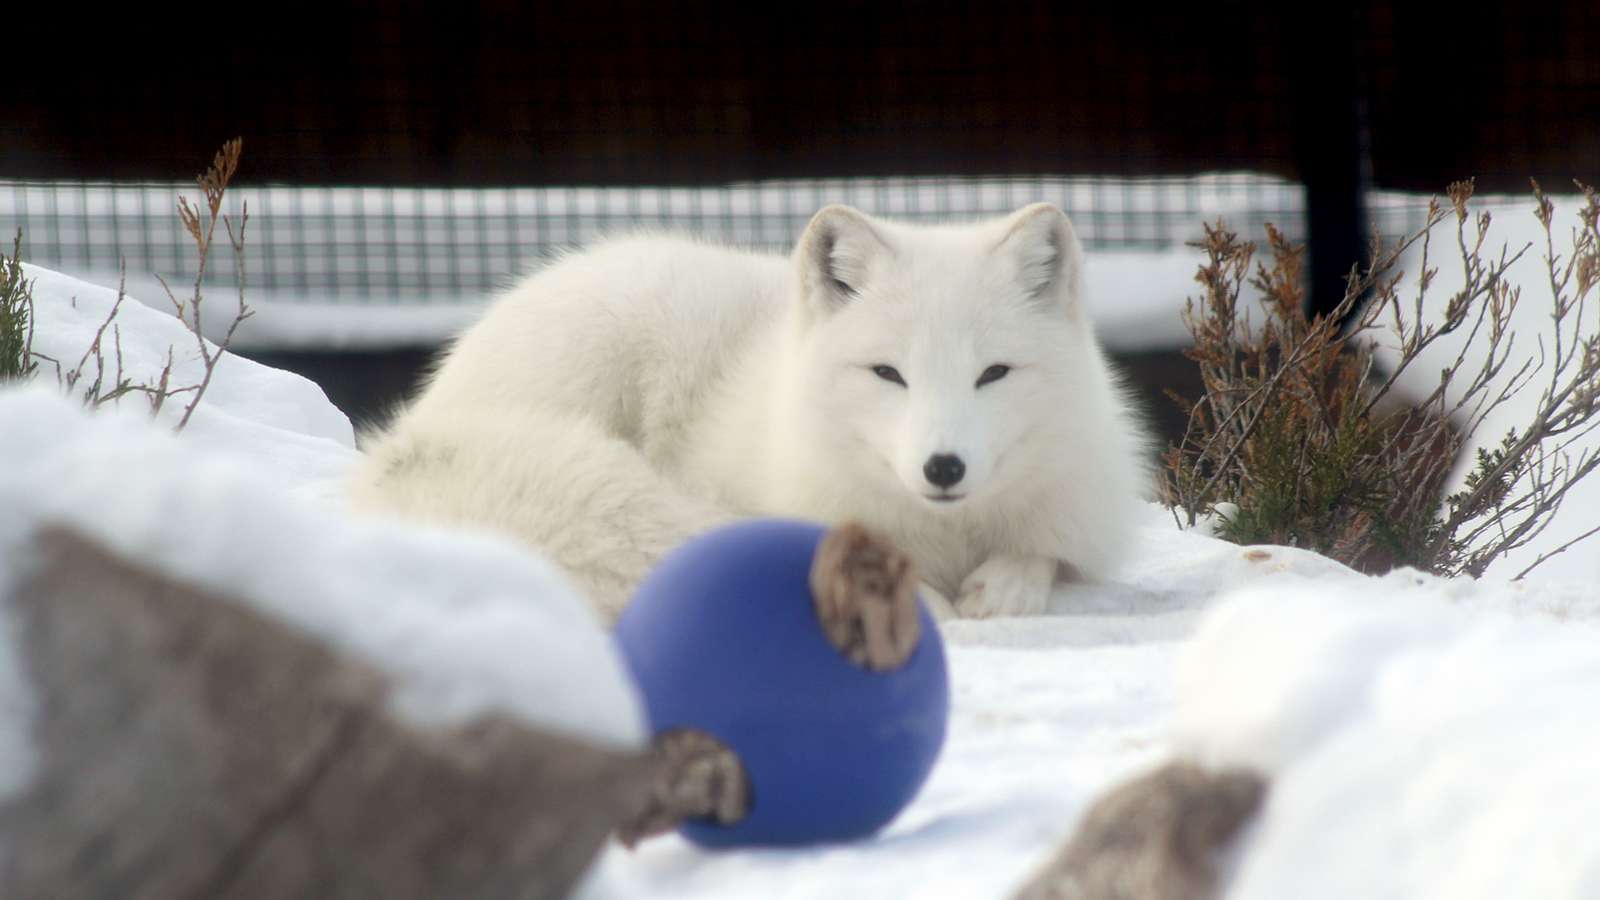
pixel 1044 250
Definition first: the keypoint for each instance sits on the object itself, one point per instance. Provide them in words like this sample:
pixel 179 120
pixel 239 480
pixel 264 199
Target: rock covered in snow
pixel 210 684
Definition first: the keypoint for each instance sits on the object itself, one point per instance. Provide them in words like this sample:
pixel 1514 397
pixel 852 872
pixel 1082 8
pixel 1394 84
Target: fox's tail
pixel 587 500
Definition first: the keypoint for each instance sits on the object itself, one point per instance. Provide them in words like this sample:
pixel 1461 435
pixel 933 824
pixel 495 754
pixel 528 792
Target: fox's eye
pixel 889 373
pixel 992 374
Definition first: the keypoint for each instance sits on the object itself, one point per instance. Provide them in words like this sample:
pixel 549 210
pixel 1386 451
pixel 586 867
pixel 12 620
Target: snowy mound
pixel 68 311
pixel 1416 747
pixel 463 624
pixel 284 420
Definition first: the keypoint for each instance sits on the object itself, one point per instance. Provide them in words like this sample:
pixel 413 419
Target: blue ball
pixel 723 637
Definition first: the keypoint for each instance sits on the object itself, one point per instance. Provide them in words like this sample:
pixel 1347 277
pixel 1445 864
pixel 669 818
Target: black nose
pixel 944 470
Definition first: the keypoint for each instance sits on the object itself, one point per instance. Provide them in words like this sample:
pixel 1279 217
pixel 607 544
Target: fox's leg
pixel 1008 586
pixel 588 501
pixel 696 776
pixel 938 604
pixel 865 592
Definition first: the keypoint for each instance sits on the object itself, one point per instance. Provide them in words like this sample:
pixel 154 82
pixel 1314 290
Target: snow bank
pixel 1418 747
pixel 67 312
pixel 284 421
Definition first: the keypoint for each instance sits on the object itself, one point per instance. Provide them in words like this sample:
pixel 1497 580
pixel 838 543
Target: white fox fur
pixel 630 396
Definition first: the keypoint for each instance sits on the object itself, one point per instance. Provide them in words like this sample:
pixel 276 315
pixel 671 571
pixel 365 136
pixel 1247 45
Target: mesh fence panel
pixel 394 245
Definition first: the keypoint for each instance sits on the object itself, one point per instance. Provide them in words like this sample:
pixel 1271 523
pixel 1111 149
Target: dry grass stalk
pixel 201 224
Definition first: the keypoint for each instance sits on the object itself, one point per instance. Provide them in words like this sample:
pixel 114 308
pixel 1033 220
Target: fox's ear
pixel 1040 244
pixel 834 255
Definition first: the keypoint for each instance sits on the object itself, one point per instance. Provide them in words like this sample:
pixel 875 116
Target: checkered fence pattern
pixel 384 245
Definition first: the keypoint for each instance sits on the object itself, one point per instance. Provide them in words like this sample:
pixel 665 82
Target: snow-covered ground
pixel 1425 739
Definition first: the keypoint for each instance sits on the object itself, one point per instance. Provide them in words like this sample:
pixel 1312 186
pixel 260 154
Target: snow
pixel 1030 742
pixel 1426 738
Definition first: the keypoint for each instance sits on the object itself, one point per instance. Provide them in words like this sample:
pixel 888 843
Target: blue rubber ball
pixel 723 637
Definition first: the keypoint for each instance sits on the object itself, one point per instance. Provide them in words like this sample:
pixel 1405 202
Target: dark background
pixel 1341 98
pixel 607 93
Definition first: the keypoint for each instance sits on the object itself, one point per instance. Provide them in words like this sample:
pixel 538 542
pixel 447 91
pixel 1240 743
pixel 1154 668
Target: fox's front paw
pixel 696 776
pixel 865 590
pixel 1008 586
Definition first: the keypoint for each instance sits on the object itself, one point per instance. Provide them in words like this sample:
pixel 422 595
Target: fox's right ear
pixel 834 256
pixel 1045 255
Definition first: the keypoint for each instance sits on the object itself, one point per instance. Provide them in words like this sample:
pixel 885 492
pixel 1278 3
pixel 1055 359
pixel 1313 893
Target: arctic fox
pixel 940 384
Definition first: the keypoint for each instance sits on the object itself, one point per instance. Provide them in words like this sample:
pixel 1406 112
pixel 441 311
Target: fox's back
pixel 633 330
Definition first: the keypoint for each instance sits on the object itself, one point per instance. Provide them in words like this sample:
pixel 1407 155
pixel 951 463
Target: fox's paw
pixel 1008 586
pixel 865 591
pixel 696 777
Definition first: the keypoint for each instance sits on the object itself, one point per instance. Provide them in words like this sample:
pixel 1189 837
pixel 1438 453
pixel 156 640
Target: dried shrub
pixel 16 316
pixel 1299 439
